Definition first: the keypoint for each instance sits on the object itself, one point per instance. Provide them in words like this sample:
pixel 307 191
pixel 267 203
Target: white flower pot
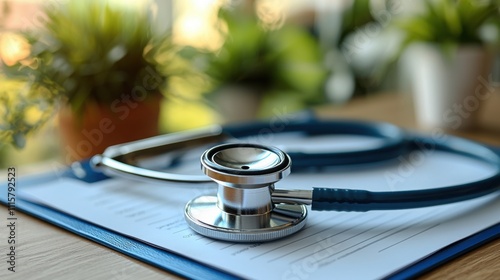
pixel 448 89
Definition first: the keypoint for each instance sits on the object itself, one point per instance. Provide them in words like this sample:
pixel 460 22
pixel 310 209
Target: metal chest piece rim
pixel 242 210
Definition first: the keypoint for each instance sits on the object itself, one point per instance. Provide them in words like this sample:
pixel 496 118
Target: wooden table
pixel 48 252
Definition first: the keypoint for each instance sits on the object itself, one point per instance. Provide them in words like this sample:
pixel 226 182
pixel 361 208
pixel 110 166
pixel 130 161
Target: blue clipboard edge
pixel 191 269
pixel 448 253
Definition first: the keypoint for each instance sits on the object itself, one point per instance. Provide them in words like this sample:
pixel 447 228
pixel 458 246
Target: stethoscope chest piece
pixel 243 210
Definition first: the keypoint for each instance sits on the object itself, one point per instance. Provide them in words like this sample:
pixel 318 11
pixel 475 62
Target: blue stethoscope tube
pixel 395 142
pixel 362 200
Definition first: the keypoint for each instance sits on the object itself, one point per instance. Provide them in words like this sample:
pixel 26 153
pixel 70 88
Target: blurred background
pixel 98 68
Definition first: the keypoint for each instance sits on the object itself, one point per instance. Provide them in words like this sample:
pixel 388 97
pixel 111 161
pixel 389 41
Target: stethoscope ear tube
pixel 121 160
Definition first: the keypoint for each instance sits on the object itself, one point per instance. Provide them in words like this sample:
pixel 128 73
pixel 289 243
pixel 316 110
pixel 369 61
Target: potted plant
pixel 449 59
pixel 259 67
pixel 103 67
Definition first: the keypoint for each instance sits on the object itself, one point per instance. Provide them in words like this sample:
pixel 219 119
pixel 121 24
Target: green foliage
pixel 87 51
pixel 450 21
pixel 355 16
pixel 286 60
pixel 21 113
pixel 245 56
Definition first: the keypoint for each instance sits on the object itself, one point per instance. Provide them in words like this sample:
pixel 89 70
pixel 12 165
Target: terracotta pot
pixel 104 125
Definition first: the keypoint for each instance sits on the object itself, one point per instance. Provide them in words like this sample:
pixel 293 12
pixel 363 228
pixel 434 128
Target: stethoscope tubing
pixel 392 145
pixel 395 142
pixel 326 199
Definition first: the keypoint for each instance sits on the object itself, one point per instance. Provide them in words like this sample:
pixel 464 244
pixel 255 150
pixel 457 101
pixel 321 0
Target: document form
pixel 332 245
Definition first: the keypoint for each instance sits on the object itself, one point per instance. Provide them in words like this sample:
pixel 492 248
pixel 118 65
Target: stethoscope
pixel 248 207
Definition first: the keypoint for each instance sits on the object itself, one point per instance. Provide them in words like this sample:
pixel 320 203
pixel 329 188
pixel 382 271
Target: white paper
pixel 333 244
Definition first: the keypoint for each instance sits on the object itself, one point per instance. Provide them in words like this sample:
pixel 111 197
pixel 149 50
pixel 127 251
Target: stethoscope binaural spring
pixel 248 207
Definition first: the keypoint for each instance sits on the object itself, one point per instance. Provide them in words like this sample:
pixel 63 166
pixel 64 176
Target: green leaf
pixel 451 18
pixel 450 21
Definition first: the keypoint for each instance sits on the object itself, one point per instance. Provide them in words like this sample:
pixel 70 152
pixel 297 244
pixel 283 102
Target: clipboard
pixel 185 267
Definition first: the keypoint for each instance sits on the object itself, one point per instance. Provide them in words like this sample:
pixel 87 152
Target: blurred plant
pixel 355 16
pixel 21 113
pixel 450 22
pixel 284 60
pixel 372 52
pixel 87 51
pixel 346 32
